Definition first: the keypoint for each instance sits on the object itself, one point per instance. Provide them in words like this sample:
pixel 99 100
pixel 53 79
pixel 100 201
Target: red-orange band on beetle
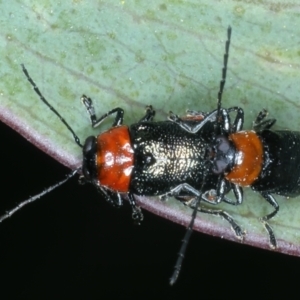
pixel 115 159
pixel 248 160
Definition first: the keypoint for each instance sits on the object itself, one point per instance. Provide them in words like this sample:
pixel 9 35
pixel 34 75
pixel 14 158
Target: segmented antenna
pixel 36 89
pixel 187 235
pixel 189 230
pixel 184 244
pixel 224 71
pixel 10 212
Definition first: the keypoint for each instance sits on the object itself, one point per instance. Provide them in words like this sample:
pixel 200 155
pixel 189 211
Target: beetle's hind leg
pixel 194 194
pixel 271 200
pixel 238 231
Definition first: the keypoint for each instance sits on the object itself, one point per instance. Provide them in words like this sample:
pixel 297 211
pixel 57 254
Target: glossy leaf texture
pixel 168 54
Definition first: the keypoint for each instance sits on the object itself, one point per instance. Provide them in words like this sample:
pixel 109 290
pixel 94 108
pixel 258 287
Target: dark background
pixel 70 243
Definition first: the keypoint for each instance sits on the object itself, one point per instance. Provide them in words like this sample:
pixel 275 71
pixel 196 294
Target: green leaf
pixel 168 54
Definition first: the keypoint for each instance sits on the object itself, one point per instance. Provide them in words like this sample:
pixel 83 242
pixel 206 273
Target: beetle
pixel 201 157
pixel 148 158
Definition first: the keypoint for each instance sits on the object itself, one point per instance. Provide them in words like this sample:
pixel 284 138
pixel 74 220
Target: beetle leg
pixel 115 200
pixel 267 124
pixel 237 125
pixel 238 193
pixel 209 196
pixel 137 214
pixel 195 113
pixel 239 120
pixel 226 123
pixel 182 123
pixel 189 127
pixel 211 117
pixel 223 214
pixel 223 188
pixel 150 113
pixel 261 115
pixel 184 187
pixel 88 103
pixel 219 213
pixel 217 196
pixel 261 124
pixel 271 200
pixel 111 197
pixel 183 192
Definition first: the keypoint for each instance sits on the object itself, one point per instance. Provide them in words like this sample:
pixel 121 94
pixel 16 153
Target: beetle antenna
pixel 187 236
pixel 224 72
pixel 184 244
pixel 36 89
pixel 10 212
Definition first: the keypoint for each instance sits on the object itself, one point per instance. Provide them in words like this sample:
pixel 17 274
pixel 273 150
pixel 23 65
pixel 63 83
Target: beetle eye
pixel 89 158
pixel 222 144
pixel 219 166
